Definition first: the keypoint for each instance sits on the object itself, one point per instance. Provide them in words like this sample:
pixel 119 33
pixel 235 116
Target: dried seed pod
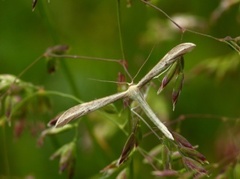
pixel 34 3
pixel 127 149
pixel 67 157
pixel 234 43
pixel 194 154
pixel 130 145
pixel 56 50
pixel 177 88
pixel 51 65
pixel 111 168
pixel 237 40
pixel 195 166
pixel 182 142
pixel 168 77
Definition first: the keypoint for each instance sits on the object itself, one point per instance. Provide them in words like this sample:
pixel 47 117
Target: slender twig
pixel 183 29
pixel 84 57
pixel 20 75
pixel 165 14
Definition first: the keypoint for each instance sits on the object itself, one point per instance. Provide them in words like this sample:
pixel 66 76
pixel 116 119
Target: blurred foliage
pixel 206 114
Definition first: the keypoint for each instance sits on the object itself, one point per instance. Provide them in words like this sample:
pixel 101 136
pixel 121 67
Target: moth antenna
pixel 109 81
pixel 144 62
pixel 125 67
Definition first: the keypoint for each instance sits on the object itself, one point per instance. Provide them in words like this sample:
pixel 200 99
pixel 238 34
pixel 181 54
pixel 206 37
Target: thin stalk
pixel 119 28
pixel 19 76
pixel 183 30
pixel 55 38
pixel 165 14
pixel 85 57
pixel 120 37
pixel 23 102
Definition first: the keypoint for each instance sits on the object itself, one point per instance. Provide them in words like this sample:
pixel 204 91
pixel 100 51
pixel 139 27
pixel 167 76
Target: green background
pixel 90 28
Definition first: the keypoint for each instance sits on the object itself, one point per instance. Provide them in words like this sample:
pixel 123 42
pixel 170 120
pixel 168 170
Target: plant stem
pixel 55 38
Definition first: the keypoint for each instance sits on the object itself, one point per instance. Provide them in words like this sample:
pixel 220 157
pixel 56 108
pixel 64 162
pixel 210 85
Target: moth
pixel 133 92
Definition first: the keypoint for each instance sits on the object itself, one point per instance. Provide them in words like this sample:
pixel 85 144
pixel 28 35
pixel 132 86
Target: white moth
pixel 133 92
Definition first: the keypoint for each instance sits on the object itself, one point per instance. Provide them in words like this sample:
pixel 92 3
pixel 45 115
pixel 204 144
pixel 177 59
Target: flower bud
pixel 177 88
pixel 168 77
pixel 57 50
pixel 194 154
pixel 195 166
pixel 53 131
pixel 182 142
pixel 67 157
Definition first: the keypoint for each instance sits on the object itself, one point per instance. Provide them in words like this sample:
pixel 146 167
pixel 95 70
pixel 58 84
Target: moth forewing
pixel 166 61
pixel 85 108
